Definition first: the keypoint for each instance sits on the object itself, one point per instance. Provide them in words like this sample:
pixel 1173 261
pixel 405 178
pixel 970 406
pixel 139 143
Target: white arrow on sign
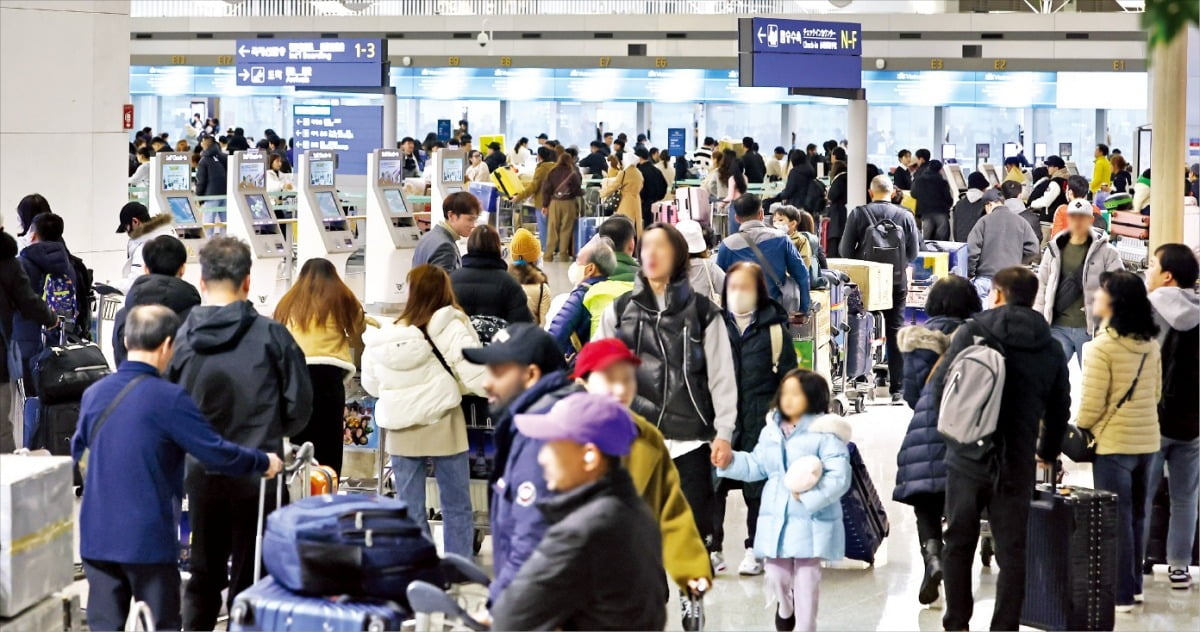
pixel 242 50
pixel 761 36
pixel 245 74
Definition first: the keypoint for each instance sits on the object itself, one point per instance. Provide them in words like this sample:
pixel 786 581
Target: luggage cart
pixel 481 437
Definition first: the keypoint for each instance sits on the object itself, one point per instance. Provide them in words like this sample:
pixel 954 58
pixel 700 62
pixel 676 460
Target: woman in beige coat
pixel 629 182
pixel 1122 383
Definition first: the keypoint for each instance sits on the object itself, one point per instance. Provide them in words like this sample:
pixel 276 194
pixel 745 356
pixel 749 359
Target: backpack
pixel 815 279
pixel 815 200
pixel 970 406
pixel 58 291
pixel 883 243
pixel 486 327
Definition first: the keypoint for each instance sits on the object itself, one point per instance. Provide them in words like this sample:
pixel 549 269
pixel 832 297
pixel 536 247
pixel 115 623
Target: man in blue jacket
pixel 572 325
pixel 526 374
pixel 758 242
pixel 134 430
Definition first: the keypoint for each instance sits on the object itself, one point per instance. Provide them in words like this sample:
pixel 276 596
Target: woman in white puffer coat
pixel 416 369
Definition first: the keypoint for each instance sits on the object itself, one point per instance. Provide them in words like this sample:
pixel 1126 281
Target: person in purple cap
pixel 600 529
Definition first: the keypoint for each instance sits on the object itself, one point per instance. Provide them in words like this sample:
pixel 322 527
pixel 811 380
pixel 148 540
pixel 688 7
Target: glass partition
pixel 733 121
pixel 891 128
pixel 967 127
pixel 530 118
pixel 483 116
pixel 1068 125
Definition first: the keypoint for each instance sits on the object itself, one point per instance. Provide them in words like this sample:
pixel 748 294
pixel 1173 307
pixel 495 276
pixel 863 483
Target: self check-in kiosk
pixel 1072 168
pixel 956 180
pixel 322 230
pixel 392 232
pixel 171 192
pixel 251 219
pixel 449 173
pixel 989 172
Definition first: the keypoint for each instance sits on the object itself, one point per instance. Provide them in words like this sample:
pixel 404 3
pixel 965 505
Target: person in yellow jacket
pixel 1102 171
pixel 608 367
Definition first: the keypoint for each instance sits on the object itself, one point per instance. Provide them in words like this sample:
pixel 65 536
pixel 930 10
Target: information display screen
pixel 330 209
pixel 253 175
pixel 1010 150
pixel 395 201
pixel 452 170
pixel 181 210
pixel 391 172
pixel 1039 151
pixel 1064 150
pixel 949 152
pixel 260 212
pixel 320 173
pixel 176 176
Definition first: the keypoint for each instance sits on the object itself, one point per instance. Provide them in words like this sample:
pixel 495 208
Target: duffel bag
pixel 362 546
pixel 62 373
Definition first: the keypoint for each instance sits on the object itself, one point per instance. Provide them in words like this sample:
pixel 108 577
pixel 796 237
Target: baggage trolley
pixel 302 465
pixel 109 301
pixel 480 435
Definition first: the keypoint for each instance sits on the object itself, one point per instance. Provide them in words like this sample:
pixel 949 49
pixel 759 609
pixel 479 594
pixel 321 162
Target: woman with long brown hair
pixel 326 320
pixel 561 193
pixel 417 370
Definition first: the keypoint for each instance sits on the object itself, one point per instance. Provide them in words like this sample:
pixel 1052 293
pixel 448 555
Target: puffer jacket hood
pixel 917 337
pixel 218 329
pixel 834 425
pixel 150 226
pixel 49 257
pixel 403 348
pixel 1179 308
pixel 159 289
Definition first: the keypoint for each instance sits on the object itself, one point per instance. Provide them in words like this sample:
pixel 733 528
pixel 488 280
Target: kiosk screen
pixel 1039 151
pixel 320 173
pixel 330 209
pixel 259 211
pixel 253 175
pixel 176 176
pixel 391 172
pixel 395 201
pixel 956 178
pixel 989 172
pixel 1010 150
pixel 181 209
pixel 452 170
pixel 948 152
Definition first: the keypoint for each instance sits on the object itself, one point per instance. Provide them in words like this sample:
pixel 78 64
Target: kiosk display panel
pixel 1039 151
pixel 1010 150
pixel 956 178
pixel 395 201
pixel 391 172
pixel 330 209
pixel 989 172
pixel 260 212
pixel 949 152
pixel 252 175
pixel 452 170
pixel 320 173
pixel 176 176
pixel 181 210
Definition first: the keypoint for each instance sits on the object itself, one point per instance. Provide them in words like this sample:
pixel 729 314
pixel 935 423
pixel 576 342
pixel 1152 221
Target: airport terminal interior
pixel 517 301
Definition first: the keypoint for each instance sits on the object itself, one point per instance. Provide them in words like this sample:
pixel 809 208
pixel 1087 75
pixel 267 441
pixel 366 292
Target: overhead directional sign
pixel 800 54
pixel 353 62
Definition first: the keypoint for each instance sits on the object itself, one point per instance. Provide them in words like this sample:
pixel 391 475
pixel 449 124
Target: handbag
pixel 1079 444
pixel 790 296
pixel 87 450
pixel 610 203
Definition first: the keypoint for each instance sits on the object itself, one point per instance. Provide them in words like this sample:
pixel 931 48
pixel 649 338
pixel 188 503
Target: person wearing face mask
pixel 579 316
pixel 763 354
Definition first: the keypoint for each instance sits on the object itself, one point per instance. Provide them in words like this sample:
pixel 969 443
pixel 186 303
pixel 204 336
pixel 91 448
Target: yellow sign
pixel 936 64
pixel 605 62
pixel 453 61
pixel 999 64
pixel 1118 64
pixel 660 62
pixel 225 60
pixel 179 59
pixel 506 61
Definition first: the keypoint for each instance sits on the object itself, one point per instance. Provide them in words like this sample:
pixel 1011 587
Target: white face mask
pixel 575 273
pixel 784 227
pixel 741 302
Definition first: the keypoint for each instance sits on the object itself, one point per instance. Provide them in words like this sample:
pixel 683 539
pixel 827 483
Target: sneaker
pixel 1124 608
pixel 750 565
pixel 1180 578
pixel 897 399
pixel 1139 598
pixel 692 611
pixel 718 562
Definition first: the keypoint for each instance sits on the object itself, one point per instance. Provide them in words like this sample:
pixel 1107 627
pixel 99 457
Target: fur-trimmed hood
pixel 833 425
pixel 917 337
pixel 150 225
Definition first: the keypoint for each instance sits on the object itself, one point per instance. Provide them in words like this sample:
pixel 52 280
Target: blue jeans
pixel 1071 339
pixel 1127 476
pixel 453 476
pixel 1182 459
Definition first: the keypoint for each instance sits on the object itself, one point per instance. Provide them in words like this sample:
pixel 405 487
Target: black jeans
pixel 893 321
pixel 929 509
pixel 224 519
pixel 1008 515
pixel 326 425
pixel 696 479
pixel 111 585
pixel 935 226
pixel 752 506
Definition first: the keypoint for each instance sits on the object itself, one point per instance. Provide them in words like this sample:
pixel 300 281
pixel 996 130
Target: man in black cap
pixel 933 201
pixel 495 158
pixel 1048 195
pixel 526 375
pixel 136 221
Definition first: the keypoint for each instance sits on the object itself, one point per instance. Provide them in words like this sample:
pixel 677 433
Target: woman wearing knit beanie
pixel 526 252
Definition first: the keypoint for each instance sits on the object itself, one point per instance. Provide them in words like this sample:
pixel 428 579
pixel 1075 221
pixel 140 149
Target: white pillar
pixel 1168 80
pixel 856 153
pixel 643 121
pixel 939 133
pixel 47 47
pixel 389 118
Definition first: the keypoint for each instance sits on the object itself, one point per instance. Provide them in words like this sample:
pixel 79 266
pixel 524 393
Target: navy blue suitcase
pixel 585 229
pixel 863 515
pixel 268 607
pixel 858 345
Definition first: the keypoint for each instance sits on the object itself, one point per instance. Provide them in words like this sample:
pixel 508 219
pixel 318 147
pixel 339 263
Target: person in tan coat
pixel 1122 383
pixel 629 183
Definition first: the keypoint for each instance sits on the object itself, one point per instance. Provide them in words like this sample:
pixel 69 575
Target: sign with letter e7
pixel 806 37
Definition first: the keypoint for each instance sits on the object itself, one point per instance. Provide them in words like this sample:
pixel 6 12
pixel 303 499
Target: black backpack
pixel 884 241
pixel 815 201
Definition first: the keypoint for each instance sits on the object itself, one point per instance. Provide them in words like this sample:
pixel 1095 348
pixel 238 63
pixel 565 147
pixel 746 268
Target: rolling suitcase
pixel 665 212
pixel 1071 559
pixel 859 345
pixel 1130 218
pixel 585 229
pixel 863 515
pixel 507 181
pixel 1134 232
pixel 268 606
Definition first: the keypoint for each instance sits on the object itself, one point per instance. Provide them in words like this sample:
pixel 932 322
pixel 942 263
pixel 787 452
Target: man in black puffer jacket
pixel 934 200
pixel 16 297
pixel 165 258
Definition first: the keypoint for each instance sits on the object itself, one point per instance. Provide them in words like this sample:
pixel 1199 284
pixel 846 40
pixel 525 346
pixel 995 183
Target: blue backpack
pixel 58 291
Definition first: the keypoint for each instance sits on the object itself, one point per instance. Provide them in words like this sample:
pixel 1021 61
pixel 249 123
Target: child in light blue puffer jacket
pixel 802 454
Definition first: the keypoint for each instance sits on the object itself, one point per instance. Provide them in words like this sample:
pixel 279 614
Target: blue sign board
pixel 352 62
pixel 444 130
pixel 676 141
pixel 775 70
pixel 801 37
pixel 352 130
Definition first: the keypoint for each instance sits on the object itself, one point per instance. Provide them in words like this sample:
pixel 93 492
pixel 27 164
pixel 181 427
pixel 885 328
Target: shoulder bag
pixel 610 203
pixel 83 461
pixel 1079 444
pixel 790 294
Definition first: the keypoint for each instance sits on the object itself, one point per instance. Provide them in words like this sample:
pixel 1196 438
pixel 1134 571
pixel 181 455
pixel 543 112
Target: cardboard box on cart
pixel 37 529
pixel 874 280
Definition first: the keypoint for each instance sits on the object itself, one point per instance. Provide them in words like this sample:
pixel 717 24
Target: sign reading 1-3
pixel 352 62
pixel 776 35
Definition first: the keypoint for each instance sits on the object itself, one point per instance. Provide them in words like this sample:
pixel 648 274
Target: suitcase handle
pixel 303 459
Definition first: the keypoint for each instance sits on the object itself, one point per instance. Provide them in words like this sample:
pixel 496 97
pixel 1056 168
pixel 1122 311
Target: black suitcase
pixel 863 515
pixel 267 606
pixel 63 372
pixel 859 345
pixel 1071 559
pixel 1159 521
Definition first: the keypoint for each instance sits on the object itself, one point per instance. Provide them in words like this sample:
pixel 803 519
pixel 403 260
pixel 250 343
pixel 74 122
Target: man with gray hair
pixel 882 232
pixel 579 317
pixel 249 378
pixel 134 430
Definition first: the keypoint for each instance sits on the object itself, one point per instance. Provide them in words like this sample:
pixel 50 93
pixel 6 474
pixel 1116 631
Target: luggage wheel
pixel 838 407
pixel 477 541
pixel 860 403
